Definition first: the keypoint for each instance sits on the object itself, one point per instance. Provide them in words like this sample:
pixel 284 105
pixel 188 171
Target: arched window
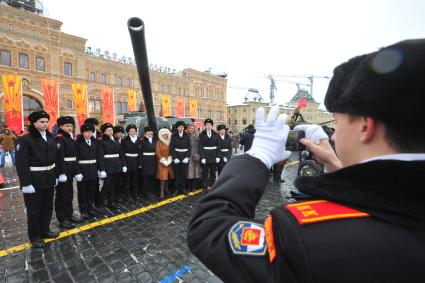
pixel 30 105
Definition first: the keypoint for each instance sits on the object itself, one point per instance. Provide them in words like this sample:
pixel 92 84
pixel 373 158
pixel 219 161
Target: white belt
pixel 132 154
pixel 42 168
pixel 210 147
pixel 111 155
pixel 148 153
pixel 92 161
pixel 181 149
pixel 70 159
pixel 225 150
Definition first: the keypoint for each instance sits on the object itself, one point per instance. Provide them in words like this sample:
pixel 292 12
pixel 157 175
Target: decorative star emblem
pixel 11 83
pixel 79 91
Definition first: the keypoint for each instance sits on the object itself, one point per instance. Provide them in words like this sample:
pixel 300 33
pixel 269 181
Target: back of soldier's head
pixel 387 85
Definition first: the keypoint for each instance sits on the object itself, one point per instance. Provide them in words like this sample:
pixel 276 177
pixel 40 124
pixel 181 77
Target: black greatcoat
pixel 204 141
pixel 178 145
pixel 131 148
pixel 387 246
pixel 88 152
pixel 148 157
pixel 33 151
pixel 225 147
pixel 107 147
pixel 67 149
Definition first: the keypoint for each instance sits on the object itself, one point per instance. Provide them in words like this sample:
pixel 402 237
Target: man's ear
pixel 368 129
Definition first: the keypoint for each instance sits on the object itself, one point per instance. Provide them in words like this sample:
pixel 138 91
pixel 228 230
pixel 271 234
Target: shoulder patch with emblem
pixel 321 210
pixel 247 238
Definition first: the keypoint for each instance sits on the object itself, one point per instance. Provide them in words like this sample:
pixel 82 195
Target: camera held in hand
pixel 293 141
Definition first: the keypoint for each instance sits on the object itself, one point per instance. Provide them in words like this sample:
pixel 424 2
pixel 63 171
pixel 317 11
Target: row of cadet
pixel 130 166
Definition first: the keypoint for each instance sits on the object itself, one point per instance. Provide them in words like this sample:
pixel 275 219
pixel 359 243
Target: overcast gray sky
pixel 247 39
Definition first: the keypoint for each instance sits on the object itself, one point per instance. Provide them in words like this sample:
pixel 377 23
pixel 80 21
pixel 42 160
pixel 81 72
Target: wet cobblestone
pixel 146 247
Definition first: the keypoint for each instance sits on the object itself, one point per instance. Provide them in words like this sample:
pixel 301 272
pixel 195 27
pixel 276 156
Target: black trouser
pixel 86 193
pixel 108 192
pixel 63 200
pixel 39 212
pixel 131 183
pixel 97 192
pixel 180 176
pixel 277 171
pixel 148 182
pixel 208 175
pixel 220 167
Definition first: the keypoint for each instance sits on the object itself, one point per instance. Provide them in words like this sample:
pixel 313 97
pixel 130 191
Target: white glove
pixel 62 178
pixel 270 137
pixel 163 161
pixel 313 132
pixel 176 161
pixel 225 159
pixel 28 189
pixel 203 161
pixel 186 160
pixel 102 175
pixel 124 169
pixel 98 173
pixel 217 160
pixel 78 177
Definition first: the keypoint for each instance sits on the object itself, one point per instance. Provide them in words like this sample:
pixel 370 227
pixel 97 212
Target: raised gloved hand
pixel 28 189
pixel 217 160
pixel 62 178
pixel 176 161
pixel 124 169
pixel 204 161
pixel 225 159
pixel 313 132
pixel 270 137
pixel 102 175
pixel 78 177
pixel 186 160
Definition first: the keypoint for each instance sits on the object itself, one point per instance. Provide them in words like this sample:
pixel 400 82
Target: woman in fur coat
pixel 163 154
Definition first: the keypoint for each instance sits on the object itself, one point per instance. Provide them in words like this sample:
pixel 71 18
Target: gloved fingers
pixel 274 111
pixel 281 120
pixel 302 127
pixel 259 116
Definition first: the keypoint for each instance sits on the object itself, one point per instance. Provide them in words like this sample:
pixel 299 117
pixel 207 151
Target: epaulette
pixel 308 212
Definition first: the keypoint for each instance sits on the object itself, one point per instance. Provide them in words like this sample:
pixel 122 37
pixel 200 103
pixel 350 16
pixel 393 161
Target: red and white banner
pixel 180 107
pixel 79 93
pixel 107 105
pixel 13 102
pixel 51 100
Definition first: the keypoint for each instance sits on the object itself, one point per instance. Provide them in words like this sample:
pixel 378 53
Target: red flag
pixel 107 105
pixel 303 102
pixel 51 102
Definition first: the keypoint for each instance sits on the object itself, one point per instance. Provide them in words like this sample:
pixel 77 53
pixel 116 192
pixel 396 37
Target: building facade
pixel 240 116
pixel 34 47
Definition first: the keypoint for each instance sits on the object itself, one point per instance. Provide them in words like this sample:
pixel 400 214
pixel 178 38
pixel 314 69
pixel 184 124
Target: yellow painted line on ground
pixel 92 225
pixel 292 163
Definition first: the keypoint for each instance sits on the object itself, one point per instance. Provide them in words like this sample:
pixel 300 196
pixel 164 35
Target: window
pixel 11 27
pixel 103 78
pixel 218 115
pixel 97 106
pixel 23 61
pixel 120 107
pixel 92 76
pixel 91 106
pixel 229 121
pixel 244 121
pixel 119 81
pixel 5 58
pixel 199 113
pixel 128 83
pixel 69 103
pixel 209 114
pixel 67 69
pixel 236 122
pixel 40 64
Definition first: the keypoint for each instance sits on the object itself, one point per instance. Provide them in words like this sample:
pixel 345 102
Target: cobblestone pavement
pixel 148 247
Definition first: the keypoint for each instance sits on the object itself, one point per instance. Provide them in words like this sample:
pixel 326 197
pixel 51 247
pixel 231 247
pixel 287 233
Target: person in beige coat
pixel 194 169
pixel 163 154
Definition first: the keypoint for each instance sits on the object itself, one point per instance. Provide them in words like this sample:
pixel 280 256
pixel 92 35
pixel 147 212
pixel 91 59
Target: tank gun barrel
pixel 136 28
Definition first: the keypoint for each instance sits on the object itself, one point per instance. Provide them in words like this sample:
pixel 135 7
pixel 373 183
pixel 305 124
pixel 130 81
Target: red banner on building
pixel 79 93
pixel 180 107
pixel 107 105
pixel 193 108
pixel 51 101
pixel 131 106
pixel 13 102
pixel 166 105
pixel 303 102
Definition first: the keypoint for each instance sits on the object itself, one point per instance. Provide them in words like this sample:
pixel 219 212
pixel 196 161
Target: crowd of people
pixel 108 164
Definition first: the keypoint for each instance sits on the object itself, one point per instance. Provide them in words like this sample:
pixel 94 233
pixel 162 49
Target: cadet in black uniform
pixel 365 221
pixel 225 144
pixel 67 155
pixel 209 152
pixel 97 135
pixel 119 135
pixel 132 149
pixel 36 158
pixel 180 148
pixel 112 159
pixel 88 163
pixel 148 160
